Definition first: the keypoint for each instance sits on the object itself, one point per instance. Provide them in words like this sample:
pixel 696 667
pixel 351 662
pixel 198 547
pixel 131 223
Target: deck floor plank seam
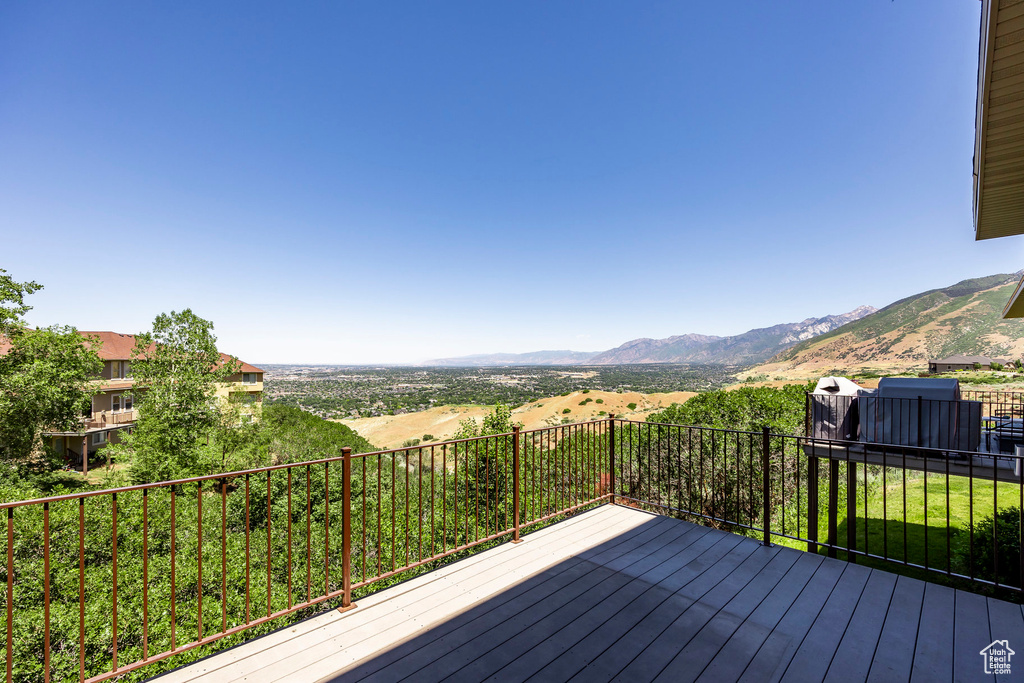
pixel 901 627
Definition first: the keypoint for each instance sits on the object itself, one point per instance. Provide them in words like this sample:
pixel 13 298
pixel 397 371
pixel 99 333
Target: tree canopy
pixel 746 408
pixel 44 375
pixel 176 367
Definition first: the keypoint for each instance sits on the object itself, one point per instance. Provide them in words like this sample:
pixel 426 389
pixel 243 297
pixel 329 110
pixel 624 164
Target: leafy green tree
pixel 746 408
pixel 237 439
pixel 176 367
pixel 487 465
pixel 44 375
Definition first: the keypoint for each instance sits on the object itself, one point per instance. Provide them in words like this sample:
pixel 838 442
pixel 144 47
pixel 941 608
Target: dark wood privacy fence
pixel 99 584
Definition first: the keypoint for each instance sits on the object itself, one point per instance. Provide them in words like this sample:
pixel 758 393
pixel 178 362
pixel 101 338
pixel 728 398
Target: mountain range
pixel 754 346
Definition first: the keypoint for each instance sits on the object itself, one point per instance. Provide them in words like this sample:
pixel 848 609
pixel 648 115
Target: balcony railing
pixel 107 417
pixel 102 583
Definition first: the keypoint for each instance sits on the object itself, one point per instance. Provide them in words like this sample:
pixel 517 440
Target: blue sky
pixel 392 182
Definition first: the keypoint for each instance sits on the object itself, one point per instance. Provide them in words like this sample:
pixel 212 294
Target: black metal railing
pixel 931 511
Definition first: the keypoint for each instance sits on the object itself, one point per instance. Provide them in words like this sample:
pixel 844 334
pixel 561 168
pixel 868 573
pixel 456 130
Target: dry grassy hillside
pixel 391 431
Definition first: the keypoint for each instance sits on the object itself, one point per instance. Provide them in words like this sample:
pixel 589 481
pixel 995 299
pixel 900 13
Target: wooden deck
pixel 618 594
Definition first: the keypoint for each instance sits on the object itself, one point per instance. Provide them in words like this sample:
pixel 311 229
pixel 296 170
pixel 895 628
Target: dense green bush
pixel 746 408
pixel 993 539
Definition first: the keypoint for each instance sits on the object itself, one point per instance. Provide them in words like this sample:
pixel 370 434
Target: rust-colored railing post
pixel 515 483
pixel 611 456
pixel 766 485
pixel 346 529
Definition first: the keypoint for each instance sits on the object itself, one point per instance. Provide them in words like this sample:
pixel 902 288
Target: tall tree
pixel 176 368
pixel 45 374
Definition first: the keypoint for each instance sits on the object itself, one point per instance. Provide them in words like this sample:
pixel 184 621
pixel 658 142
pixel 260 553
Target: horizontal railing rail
pixel 98 584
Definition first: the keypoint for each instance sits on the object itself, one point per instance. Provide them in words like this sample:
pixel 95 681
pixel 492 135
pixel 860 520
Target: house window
pixel 248 378
pixel 115 403
pixel 127 401
pixel 99 438
pixel 122 369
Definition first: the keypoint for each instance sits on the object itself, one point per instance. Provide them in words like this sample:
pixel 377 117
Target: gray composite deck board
pixel 781 644
pixel 864 630
pixel 620 594
pixel 971 628
pixel 554 651
pixel 604 574
pixel 933 658
pixel 899 632
pixel 403 661
pixel 812 659
pixel 649 663
pixel 552 626
pixel 731 660
pixel 575 658
pixel 711 567
pixel 1005 623
pixel 695 653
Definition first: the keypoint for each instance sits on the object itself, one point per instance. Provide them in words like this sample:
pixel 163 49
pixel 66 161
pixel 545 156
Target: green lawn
pixel 899 525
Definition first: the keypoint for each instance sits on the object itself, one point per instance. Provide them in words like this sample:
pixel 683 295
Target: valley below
pixel 441 422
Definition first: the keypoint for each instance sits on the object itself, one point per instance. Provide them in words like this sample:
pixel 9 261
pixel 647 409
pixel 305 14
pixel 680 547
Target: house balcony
pixel 600 550
pixel 107 418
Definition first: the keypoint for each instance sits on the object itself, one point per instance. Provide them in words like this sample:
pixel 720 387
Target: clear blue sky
pixel 388 182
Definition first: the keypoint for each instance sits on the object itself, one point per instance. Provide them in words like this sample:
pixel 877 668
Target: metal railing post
pixel 515 483
pixel 611 456
pixel 346 529
pixel 766 485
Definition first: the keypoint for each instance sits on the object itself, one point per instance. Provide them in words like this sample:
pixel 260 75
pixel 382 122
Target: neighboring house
pixel 113 409
pixel 961 362
pixel 246 386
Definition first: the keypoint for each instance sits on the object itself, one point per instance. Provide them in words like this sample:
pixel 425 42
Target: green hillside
pixel 963 318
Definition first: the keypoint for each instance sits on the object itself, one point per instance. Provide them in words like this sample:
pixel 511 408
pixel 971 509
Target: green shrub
pixel 586 391
pixel 746 408
pixel 428 437
pixel 566 410
pixel 979 560
pixel 631 406
pixel 600 400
